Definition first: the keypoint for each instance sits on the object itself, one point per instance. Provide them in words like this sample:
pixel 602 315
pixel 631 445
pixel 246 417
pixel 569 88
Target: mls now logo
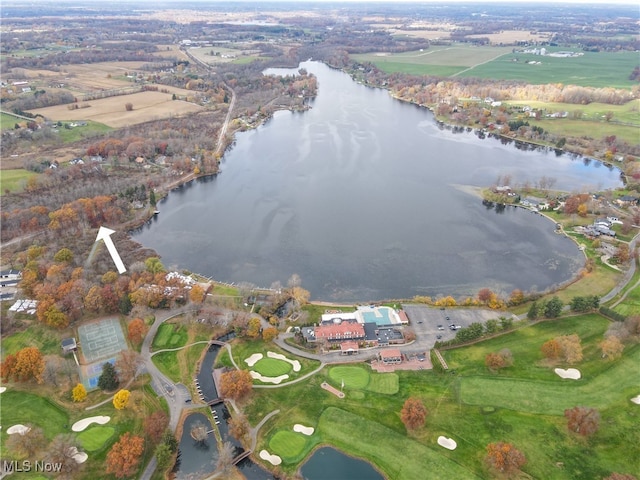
pixel 14 466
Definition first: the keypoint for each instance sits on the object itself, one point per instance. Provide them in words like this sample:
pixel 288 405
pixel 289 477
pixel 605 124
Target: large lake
pixel 359 197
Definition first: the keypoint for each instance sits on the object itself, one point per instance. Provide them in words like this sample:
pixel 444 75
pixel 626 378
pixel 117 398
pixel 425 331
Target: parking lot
pixel 430 322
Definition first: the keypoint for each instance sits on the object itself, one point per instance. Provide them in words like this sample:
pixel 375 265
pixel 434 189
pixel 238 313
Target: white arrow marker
pixel 105 234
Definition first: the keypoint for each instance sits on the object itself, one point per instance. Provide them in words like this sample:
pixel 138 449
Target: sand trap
pixel 294 363
pixel 636 400
pixel 19 428
pixel 79 457
pixel 80 425
pixel 447 443
pixel 253 359
pixel 3 389
pixel 571 373
pixel 302 429
pixel 273 459
pixel 264 379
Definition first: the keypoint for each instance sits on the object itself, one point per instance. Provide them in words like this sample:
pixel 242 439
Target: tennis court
pixel 90 374
pixel 101 340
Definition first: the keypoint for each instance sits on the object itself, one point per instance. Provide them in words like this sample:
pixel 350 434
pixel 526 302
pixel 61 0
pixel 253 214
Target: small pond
pixel 327 463
pixel 196 459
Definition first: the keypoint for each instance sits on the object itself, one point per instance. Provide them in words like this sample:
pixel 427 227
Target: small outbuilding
pixel 69 345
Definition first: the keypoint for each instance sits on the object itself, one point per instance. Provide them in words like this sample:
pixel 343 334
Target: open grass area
pixel 26 408
pixel 594 129
pixel 355 377
pixel 243 349
pixel 90 130
pixel 167 363
pixel 288 444
pixel 8 121
pixel 627 113
pixel 36 335
pixel 14 180
pixel 272 367
pixel 384 447
pixel 95 437
pixel 170 335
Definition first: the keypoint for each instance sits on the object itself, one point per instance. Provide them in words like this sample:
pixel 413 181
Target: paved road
pixel 626 278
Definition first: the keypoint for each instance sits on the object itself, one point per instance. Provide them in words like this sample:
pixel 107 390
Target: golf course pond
pixel 327 463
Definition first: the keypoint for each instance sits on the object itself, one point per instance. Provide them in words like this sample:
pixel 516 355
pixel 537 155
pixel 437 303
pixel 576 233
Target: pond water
pixel 360 196
pixel 327 463
pixel 196 459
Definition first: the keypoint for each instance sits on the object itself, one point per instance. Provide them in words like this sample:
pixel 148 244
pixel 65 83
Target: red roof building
pixel 339 332
pixel 391 355
pixel 349 348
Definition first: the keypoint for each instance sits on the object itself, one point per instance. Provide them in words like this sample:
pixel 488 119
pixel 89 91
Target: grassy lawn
pixel 95 437
pixel 167 363
pixel 353 377
pixel 91 129
pixel 315 312
pixel 579 128
pixel 36 335
pixel 289 445
pixel 381 445
pixel 385 383
pixel 27 408
pixel 8 121
pixel 272 367
pixel 14 180
pixel 170 335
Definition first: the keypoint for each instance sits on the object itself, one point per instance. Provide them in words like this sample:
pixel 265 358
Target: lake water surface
pixel 359 197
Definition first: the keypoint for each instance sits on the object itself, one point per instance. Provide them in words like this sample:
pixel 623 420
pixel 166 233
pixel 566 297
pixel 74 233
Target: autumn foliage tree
pixel 121 399
pixel 413 413
pixel 155 425
pixel 582 420
pixel 551 349
pixel 236 384
pixel 494 361
pixel 124 457
pixel 28 365
pixel 26 444
pixel 136 330
pixel 269 334
pixel 504 458
pixel 79 393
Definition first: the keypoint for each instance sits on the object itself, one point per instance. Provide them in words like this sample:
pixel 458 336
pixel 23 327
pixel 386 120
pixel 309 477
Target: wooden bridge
pixel 241 457
pixel 215 401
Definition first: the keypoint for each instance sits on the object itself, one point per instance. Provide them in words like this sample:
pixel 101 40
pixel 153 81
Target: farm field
pixel 438 60
pixel 601 69
pixel 111 111
pixel 522 404
pixel 627 113
pixel 225 55
pixel 8 121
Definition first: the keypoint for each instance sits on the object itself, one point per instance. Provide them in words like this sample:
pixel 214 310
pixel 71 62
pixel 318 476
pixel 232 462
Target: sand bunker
pixel 79 457
pixel 21 429
pixel 3 389
pixel 273 459
pixel 264 379
pixel 447 443
pixel 302 429
pixel 636 400
pixel 571 373
pixel 294 363
pixel 253 359
pixel 80 425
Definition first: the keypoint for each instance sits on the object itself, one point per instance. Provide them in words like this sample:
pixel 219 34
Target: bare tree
pixel 199 432
pixel 128 363
pixel 225 458
pixel 51 370
pixel 62 451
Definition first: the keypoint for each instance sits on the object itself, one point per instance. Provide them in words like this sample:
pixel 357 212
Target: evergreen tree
pixel 534 311
pixel 553 308
pixel 109 378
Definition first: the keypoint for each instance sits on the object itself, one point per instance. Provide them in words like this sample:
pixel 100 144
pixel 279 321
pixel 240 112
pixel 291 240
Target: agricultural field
pixel 438 60
pixel 603 69
pixel 8 121
pixel 523 405
pixel 223 55
pixel 111 111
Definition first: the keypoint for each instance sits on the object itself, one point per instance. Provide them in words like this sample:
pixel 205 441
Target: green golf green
pixel 95 437
pixel 272 367
pixel 353 377
pixel 287 444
